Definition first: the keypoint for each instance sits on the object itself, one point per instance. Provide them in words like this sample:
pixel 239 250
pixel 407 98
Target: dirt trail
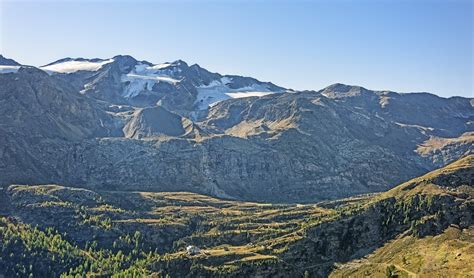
pixel 410 273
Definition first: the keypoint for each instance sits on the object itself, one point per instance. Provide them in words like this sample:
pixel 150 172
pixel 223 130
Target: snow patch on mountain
pixel 143 77
pixel 160 66
pixel 76 65
pixel 9 69
pixel 248 94
pixel 219 90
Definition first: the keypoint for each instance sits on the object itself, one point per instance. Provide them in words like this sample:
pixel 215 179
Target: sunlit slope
pixel 439 244
pixel 449 254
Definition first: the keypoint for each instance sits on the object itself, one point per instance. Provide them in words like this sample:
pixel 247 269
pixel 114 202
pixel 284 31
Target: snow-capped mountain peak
pixel 70 65
pixel 180 87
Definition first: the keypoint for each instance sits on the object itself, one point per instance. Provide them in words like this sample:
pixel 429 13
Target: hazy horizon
pixel 399 46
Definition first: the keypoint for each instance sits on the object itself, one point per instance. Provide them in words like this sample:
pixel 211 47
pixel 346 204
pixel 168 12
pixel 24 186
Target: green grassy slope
pixel 423 226
pixel 449 254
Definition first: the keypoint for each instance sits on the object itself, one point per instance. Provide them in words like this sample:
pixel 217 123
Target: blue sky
pixel 403 46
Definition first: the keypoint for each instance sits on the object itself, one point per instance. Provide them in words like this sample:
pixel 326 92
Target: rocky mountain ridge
pixel 175 85
pixel 128 125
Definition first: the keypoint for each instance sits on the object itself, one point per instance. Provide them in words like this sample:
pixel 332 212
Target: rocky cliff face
pixel 129 125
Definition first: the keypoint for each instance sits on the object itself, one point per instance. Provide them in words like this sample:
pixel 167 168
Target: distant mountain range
pixel 124 124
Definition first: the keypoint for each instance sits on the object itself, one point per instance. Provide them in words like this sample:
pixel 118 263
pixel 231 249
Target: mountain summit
pixel 175 85
pixel 8 65
pixel 8 62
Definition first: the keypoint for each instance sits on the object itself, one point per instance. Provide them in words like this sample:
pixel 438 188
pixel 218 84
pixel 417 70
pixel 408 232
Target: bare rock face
pixel 8 62
pixel 38 106
pixel 78 129
pixel 156 121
